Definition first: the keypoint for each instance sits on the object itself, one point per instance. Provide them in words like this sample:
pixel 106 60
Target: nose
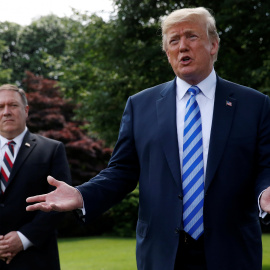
pixel 6 110
pixel 183 45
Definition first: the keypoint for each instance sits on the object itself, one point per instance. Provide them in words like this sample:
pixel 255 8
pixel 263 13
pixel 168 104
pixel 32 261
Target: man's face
pixel 13 114
pixel 190 52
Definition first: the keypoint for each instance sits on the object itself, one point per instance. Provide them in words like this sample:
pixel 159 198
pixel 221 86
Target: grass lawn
pixel 266 251
pixel 101 253
pixel 105 253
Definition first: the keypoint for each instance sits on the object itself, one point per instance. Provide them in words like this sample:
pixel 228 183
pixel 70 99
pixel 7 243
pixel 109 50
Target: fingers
pixel 4 253
pixel 9 259
pixel 4 256
pixel 3 244
pixel 38 198
pixel 39 206
pixel 3 248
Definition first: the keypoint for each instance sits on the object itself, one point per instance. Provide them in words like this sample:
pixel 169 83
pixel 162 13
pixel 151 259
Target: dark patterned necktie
pixel 7 165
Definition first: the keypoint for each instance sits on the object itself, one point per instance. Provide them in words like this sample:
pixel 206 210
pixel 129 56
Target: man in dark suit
pixel 200 148
pixel 27 240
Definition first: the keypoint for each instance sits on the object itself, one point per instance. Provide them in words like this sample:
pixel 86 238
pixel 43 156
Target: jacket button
pixel 177 231
pixel 180 197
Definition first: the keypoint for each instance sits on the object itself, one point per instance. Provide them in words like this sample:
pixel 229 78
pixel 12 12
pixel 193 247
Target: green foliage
pixel 43 36
pixel 8 50
pixel 5 74
pixel 106 66
pixel 244 55
pixel 91 78
pixel 28 47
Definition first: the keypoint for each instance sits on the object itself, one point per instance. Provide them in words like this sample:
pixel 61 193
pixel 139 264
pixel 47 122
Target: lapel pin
pixel 228 103
pixel 27 144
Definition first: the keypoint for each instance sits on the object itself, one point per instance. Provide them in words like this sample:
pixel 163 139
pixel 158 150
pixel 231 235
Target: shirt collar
pixel 18 140
pixel 207 86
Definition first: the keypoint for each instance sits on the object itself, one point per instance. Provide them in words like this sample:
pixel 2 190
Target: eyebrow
pixel 187 31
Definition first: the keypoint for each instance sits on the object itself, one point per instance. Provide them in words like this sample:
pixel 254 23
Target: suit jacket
pixel 238 169
pixel 37 158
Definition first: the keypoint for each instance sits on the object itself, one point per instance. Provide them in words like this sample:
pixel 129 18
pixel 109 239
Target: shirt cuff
pixel 262 214
pixel 83 211
pixel 25 241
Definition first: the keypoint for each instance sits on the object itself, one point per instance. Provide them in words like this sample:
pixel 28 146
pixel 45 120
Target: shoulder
pixel 238 90
pixel 155 91
pixel 41 139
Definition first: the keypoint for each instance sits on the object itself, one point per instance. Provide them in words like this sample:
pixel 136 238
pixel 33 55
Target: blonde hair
pixel 11 87
pixel 200 15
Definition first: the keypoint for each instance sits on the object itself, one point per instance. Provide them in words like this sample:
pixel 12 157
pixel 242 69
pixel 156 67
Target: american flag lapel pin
pixel 27 144
pixel 228 103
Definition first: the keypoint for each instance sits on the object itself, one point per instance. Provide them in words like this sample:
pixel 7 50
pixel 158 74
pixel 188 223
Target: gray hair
pixel 11 87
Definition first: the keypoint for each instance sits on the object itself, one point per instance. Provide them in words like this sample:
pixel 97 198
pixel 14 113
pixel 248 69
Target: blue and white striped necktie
pixel 193 171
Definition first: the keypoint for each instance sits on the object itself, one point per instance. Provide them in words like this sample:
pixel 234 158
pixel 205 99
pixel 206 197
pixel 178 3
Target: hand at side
pixel 265 200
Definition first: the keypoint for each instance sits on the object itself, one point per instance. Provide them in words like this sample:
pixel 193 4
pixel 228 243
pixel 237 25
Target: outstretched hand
pixel 63 198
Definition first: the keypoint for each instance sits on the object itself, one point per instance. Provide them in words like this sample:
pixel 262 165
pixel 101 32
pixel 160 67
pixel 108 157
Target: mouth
pixel 185 60
pixel 8 120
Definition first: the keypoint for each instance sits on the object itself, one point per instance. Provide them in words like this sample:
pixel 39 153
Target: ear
pixel 168 56
pixel 214 48
pixel 26 109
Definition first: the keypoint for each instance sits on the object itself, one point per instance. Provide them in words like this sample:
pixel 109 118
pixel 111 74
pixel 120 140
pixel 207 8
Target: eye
pixel 173 41
pixel 193 36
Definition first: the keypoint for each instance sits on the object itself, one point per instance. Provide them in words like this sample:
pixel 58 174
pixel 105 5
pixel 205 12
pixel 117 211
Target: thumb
pixel 52 181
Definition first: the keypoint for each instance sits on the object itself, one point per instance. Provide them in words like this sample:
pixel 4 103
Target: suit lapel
pixel 166 114
pixel 28 144
pixel 224 109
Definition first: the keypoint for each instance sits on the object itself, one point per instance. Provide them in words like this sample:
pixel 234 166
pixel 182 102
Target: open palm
pixel 63 198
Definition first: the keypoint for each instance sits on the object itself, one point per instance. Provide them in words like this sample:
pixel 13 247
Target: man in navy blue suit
pixel 233 134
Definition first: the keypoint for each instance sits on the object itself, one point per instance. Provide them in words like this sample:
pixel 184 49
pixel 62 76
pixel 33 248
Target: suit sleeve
pixel 263 152
pixel 119 178
pixel 43 224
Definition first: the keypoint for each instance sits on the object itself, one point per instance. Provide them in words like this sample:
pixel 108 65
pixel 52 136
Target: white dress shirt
pixel 3 146
pixel 205 101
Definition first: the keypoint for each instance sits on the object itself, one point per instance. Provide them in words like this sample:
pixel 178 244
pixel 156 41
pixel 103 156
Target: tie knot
pixel 194 90
pixel 11 143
